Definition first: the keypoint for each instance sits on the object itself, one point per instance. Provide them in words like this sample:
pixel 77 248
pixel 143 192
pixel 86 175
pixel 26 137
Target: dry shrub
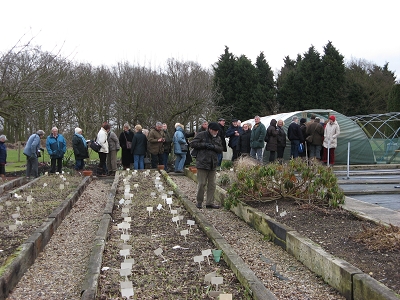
pixel 381 238
pixel 245 162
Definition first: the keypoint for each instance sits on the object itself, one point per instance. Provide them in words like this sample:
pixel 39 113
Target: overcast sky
pixel 149 32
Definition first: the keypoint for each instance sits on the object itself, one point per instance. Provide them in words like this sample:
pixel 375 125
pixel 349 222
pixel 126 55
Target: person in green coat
pixel 257 139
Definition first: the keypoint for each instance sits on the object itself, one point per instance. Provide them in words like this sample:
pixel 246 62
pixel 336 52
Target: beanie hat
pixel 332 117
pixel 213 126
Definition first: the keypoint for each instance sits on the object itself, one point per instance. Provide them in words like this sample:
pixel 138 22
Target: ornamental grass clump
pixel 310 183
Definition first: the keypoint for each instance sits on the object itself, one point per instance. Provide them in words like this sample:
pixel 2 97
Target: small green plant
pixel 226 164
pixel 224 180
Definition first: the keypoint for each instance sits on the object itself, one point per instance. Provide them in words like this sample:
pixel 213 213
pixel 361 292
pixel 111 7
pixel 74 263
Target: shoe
pixel 212 206
pixel 199 206
pixel 178 171
pixel 102 175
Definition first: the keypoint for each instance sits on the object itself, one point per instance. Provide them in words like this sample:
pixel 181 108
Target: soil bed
pixel 176 277
pixel 335 230
pixel 45 200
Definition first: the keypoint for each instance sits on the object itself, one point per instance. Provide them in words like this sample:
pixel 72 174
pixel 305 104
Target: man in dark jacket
pixel 221 134
pixel 233 134
pixel 295 137
pixel 208 145
pixel 316 133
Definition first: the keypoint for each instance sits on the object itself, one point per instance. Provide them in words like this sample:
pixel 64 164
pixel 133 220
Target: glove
pixel 210 146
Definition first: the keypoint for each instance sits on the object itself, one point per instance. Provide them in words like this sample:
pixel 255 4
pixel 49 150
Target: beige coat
pixel 331 134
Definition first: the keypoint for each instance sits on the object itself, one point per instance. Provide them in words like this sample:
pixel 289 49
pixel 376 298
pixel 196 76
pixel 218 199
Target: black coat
pixel 80 151
pixel 243 145
pixel 281 137
pixel 294 132
pixel 272 133
pixel 126 157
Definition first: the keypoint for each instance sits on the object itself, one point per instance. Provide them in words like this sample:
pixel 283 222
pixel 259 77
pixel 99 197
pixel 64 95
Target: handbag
pixel 184 148
pixel 128 144
pixel 95 146
pixel 309 139
pixel 193 153
pixel 300 149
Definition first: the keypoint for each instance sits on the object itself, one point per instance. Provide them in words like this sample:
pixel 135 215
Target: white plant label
pixel 159 207
pixel 29 199
pixel 176 219
pixel 126 265
pixel 128 202
pixel 125 246
pixel 199 259
pixel 124 253
pixel 185 233
pixel 125 209
pixel 44 184
pixel 207 277
pixel 174 212
pixel 15 216
pixel 190 223
pixel 125 237
pixel 206 253
pixel 150 209
pixel 225 296
pixel 130 261
pixel 125 272
pixel 217 281
pixel 128 219
pixel 61 186
pixel 126 289
pixel 122 201
pixel 159 252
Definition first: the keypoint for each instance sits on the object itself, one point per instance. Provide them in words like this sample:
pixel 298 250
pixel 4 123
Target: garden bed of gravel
pixel 29 207
pixel 179 272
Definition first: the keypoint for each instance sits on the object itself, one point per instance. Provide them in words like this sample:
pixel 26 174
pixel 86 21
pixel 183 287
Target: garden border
pixel 350 281
pixel 17 263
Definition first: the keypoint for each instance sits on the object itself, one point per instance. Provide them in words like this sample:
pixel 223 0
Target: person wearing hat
pixel 233 133
pixel 221 134
pixel 31 150
pixel 331 133
pixel 208 145
pixel 3 156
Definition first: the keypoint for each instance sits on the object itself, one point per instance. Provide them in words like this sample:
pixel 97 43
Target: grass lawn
pixel 17 162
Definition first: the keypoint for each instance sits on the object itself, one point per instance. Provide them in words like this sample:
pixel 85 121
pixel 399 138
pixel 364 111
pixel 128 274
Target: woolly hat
pixel 213 126
pixel 332 117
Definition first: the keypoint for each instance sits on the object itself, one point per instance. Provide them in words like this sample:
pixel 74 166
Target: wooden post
pixel 19 151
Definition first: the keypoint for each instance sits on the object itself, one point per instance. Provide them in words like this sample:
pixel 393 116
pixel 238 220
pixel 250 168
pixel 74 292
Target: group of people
pixel 56 147
pixel 318 139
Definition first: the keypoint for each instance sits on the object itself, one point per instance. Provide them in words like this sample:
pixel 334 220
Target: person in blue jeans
pixel 295 137
pixel 179 140
pixel 139 148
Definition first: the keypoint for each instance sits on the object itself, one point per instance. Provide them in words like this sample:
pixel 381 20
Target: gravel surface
pixel 59 270
pixel 281 273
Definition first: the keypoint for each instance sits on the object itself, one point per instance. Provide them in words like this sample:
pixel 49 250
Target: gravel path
pixel 291 280
pixel 59 270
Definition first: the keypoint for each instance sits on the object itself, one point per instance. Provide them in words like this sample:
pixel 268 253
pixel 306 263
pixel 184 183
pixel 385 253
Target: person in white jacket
pixel 102 136
pixel 331 133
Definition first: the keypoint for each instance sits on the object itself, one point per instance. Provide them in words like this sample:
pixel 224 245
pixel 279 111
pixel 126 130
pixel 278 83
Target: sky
pixel 147 32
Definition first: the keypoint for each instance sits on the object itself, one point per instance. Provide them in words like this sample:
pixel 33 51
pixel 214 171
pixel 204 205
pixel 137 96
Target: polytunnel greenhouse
pixel 367 139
